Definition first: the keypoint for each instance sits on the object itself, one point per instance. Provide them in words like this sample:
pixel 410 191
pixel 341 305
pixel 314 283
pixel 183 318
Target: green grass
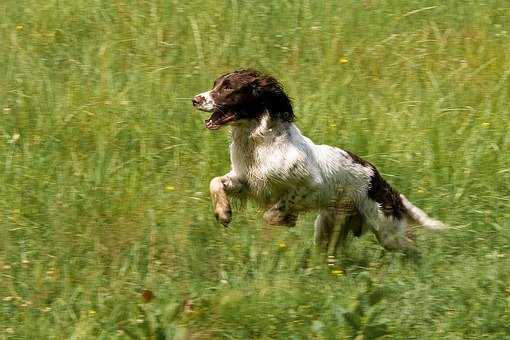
pixel 104 168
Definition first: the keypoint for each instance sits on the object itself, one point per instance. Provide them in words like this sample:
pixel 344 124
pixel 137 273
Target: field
pixel 106 229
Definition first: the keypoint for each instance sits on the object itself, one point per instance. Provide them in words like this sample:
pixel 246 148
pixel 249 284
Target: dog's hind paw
pixel 276 217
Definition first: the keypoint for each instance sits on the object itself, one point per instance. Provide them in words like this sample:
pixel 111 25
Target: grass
pixel 105 223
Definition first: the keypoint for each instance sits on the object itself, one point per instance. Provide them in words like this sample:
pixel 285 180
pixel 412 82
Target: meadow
pixel 106 229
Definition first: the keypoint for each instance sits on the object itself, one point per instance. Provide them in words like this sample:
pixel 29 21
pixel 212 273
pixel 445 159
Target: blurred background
pixel 106 225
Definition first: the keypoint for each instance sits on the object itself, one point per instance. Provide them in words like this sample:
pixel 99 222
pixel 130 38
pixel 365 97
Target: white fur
pixel 208 103
pixel 418 215
pixel 276 159
pixel 286 173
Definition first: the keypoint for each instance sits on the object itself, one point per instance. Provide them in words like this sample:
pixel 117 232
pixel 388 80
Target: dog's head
pixel 243 94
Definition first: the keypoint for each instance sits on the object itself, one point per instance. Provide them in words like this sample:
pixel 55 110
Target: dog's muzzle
pixel 198 100
pixel 203 101
pixel 219 117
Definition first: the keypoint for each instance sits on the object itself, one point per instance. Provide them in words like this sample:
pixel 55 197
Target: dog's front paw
pixel 223 216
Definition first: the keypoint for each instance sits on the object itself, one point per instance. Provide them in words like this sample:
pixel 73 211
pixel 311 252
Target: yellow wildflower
pixel 337 272
pixel 343 60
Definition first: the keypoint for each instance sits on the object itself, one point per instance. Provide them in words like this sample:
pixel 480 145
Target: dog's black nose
pixel 197 100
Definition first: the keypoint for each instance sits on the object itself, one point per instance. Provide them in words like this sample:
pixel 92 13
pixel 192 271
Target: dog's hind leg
pixel 338 235
pixel 281 214
pixel 393 235
pixel 330 231
pixel 324 224
pixel 391 231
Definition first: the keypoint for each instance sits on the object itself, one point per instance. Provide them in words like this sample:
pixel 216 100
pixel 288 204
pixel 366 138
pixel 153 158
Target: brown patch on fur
pixel 247 94
pixel 357 159
pixel 380 191
pixel 389 198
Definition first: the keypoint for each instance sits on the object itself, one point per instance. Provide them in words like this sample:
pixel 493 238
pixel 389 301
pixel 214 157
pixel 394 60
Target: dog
pixel 284 172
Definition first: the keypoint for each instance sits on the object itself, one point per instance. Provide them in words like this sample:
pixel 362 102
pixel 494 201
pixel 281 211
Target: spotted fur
pixel 275 165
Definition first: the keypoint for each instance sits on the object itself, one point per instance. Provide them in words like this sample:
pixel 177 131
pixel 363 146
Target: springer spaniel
pixel 286 173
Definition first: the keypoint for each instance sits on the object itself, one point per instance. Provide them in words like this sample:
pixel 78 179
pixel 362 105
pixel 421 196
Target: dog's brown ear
pixel 273 97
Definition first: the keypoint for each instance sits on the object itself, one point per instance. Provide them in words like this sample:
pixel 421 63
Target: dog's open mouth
pixel 218 119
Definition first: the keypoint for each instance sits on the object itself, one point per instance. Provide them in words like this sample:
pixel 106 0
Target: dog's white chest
pixel 273 165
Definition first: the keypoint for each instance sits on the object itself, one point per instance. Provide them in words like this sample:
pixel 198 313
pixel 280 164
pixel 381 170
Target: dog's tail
pixel 419 216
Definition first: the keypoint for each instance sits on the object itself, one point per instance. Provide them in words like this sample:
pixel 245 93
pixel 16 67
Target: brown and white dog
pixel 286 173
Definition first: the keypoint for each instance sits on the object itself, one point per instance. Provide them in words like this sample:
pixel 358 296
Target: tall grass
pixel 106 227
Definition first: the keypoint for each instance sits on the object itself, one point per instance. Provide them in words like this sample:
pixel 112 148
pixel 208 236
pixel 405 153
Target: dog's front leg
pixel 221 187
